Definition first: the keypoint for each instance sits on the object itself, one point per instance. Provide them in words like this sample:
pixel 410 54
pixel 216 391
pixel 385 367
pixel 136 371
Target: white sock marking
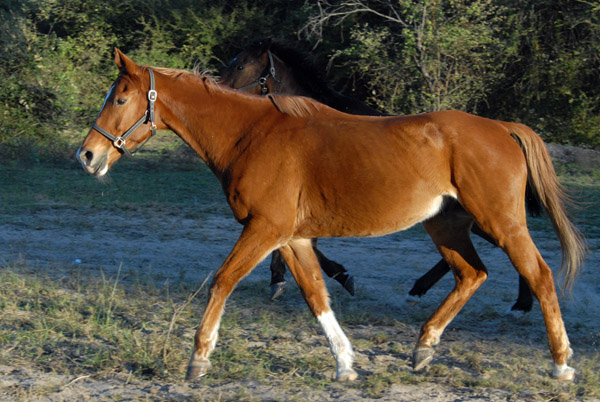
pixel 338 342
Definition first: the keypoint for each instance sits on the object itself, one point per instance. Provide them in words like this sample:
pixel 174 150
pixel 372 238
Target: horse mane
pixel 170 72
pixel 296 106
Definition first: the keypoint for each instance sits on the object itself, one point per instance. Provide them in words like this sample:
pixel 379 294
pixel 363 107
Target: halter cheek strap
pixel 262 81
pixel 120 142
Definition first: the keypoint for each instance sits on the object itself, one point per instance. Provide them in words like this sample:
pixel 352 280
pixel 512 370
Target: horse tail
pixel 544 186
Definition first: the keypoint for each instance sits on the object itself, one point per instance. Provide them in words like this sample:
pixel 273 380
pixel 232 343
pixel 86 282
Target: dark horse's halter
pixel 262 81
pixel 119 142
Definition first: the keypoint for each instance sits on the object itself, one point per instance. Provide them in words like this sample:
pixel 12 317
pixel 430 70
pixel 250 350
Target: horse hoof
pixel 514 313
pixel 277 289
pixel 412 299
pixel 422 357
pixel 519 309
pixel 349 285
pixel 563 372
pixel 346 375
pixel 197 370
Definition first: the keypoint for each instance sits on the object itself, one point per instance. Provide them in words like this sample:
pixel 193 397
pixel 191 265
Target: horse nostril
pixel 86 156
pixel 89 155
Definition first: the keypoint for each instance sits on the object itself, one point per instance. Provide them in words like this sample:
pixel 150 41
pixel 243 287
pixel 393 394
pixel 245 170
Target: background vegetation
pixel 526 60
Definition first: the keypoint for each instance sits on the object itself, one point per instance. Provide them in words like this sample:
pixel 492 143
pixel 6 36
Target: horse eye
pixel 121 101
pixel 240 67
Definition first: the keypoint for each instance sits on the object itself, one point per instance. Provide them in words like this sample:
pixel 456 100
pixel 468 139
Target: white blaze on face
pixel 104 170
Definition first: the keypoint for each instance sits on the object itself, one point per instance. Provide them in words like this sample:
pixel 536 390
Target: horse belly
pixel 397 219
pixel 408 216
pixel 368 216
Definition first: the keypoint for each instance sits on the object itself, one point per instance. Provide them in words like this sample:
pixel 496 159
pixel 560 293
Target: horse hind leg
pixel 431 277
pixel 450 233
pixel 511 234
pixel 303 264
pixel 529 263
pixel 524 301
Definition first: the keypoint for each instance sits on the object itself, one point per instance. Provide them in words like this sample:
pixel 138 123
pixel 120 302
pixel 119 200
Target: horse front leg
pixel 255 243
pixel 302 262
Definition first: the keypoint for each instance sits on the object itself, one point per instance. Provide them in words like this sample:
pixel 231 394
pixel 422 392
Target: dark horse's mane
pixel 304 68
pixel 312 78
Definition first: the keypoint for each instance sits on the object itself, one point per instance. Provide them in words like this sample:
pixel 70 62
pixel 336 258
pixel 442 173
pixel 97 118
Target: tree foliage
pixel 536 62
pixel 421 55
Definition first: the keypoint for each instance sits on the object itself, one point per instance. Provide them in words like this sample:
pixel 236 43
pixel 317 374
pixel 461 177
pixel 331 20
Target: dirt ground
pixel 181 248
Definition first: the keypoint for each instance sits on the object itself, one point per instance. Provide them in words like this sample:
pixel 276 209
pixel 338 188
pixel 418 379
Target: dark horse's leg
pixel 424 283
pixel 525 300
pixel 331 268
pixel 277 275
pixel 334 270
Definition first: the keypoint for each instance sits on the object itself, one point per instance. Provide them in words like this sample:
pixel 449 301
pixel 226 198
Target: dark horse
pixel 293 169
pixel 265 67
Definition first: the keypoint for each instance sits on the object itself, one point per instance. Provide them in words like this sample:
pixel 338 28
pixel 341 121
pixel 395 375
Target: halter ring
pixel 119 142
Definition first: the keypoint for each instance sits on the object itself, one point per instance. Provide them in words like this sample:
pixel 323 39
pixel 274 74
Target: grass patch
pixel 131 185
pixel 89 324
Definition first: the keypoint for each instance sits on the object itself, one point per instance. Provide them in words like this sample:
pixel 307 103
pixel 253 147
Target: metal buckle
pixel 152 95
pixel 119 142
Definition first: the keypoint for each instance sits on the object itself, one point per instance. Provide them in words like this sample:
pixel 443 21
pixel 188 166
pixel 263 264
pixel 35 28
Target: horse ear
pixel 125 64
pixel 266 43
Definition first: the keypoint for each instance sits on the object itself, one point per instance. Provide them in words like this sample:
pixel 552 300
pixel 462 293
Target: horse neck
pixel 209 120
pixel 285 82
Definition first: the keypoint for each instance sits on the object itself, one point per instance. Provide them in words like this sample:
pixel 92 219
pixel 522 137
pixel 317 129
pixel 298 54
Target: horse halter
pixel 262 81
pixel 119 142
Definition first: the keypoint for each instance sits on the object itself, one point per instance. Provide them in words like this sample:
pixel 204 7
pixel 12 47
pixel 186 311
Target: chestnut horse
pixel 267 67
pixel 293 169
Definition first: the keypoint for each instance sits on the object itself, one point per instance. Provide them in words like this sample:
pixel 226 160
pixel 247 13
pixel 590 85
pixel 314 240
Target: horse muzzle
pixel 92 163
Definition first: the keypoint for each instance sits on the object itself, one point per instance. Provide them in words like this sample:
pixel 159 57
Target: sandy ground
pixel 171 246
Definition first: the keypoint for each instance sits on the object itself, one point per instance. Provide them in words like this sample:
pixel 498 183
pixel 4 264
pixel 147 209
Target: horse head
pixel 125 121
pixel 252 70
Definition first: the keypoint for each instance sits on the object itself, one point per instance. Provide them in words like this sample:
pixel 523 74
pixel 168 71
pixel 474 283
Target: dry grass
pixel 87 325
